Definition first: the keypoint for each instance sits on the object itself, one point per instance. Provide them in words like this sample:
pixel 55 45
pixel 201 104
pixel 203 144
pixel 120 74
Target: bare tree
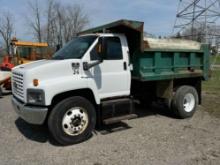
pixel 6 29
pixel 35 20
pixel 61 24
pixel 64 22
pixel 51 28
pixel 60 11
pixel 75 21
pixel 49 13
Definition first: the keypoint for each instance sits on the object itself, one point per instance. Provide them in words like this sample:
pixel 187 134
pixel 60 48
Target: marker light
pixel 35 82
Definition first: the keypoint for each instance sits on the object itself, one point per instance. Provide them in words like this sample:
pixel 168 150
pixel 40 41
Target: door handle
pixel 125 65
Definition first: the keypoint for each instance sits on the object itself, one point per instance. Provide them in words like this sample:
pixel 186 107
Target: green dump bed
pixel 166 62
pixel 160 59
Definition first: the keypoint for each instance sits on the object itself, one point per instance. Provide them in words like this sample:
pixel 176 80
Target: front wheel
pixel 185 101
pixel 72 120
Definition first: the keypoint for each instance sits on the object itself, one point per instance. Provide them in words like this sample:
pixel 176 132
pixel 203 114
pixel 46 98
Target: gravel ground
pixel 153 138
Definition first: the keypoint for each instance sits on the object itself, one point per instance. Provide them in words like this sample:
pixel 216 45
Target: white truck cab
pixel 77 69
pixel 61 74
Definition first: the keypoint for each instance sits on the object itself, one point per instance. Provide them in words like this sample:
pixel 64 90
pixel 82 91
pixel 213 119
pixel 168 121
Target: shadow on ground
pixel 155 109
pixel 35 133
pixel 32 132
pixel 41 134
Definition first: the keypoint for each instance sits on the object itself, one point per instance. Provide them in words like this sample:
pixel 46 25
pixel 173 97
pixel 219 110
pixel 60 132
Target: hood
pixel 36 64
pixel 48 69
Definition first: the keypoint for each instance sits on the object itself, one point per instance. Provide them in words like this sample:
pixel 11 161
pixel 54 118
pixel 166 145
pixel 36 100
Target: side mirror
pixel 87 66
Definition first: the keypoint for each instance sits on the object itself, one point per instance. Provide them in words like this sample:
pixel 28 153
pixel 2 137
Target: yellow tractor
pixel 25 52
pixel 21 52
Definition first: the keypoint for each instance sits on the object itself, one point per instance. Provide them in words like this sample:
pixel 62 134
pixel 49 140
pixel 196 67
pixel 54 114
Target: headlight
pixel 35 96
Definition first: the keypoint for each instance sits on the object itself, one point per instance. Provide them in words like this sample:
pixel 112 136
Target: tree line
pixel 207 34
pixel 52 22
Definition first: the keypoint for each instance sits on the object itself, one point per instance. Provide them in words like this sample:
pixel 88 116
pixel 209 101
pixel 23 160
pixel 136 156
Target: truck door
pixel 112 77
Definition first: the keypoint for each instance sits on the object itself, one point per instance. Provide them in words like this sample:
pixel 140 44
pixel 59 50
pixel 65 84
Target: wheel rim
pixel 189 102
pixel 75 121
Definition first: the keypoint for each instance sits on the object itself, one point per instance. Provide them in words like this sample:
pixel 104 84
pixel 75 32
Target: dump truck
pixel 99 77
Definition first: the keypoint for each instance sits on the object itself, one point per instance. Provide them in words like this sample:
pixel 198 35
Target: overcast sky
pixel 158 15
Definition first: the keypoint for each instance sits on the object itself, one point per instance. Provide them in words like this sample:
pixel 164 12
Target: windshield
pixel 75 49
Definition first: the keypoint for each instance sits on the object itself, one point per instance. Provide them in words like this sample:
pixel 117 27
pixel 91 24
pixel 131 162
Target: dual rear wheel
pixel 185 102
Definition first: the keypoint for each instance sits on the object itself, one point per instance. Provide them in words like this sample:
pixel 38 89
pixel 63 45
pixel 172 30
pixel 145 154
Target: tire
pixel 72 120
pixel 185 102
pixel 1 93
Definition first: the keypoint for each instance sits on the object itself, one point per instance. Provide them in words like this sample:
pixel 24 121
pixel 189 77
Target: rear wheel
pixel 185 101
pixel 72 120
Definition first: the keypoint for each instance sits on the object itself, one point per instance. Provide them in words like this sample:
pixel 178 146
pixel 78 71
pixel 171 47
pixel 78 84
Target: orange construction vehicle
pixel 22 52
pixel 25 52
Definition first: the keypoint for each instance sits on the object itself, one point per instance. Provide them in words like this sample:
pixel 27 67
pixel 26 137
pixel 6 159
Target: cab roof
pixel 115 26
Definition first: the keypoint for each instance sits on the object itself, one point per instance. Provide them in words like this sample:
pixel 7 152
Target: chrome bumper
pixel 31 114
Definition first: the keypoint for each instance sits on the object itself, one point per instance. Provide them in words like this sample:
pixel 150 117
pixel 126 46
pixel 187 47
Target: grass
pixel 211 94
pixel 212 86
pixel 1 59
pixel 215 59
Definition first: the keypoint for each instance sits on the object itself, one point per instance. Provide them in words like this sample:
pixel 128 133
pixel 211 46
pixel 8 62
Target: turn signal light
pixel 35 82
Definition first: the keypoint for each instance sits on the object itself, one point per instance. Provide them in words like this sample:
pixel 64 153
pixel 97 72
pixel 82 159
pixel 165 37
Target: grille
pixel 18 85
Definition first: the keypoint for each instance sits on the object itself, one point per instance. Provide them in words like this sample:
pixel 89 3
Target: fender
pixel 57 86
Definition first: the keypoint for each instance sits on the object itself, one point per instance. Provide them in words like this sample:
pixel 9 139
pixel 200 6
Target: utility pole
pixel 193 21
pixel 196 16
pixel 206 26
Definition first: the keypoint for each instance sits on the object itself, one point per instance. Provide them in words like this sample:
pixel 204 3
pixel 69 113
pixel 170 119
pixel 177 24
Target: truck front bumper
pixel 31 114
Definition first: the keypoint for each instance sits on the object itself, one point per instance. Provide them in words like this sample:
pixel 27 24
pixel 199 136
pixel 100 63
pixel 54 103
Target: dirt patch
pixel 153 138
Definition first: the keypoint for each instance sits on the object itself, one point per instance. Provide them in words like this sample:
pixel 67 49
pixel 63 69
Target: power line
pixel 193 14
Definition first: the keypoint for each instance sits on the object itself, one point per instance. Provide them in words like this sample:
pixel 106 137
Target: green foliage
pixel 212 86
pixel 215 59
pixel 211 94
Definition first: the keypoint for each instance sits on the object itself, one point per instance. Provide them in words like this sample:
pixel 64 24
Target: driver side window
pixel 111 49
